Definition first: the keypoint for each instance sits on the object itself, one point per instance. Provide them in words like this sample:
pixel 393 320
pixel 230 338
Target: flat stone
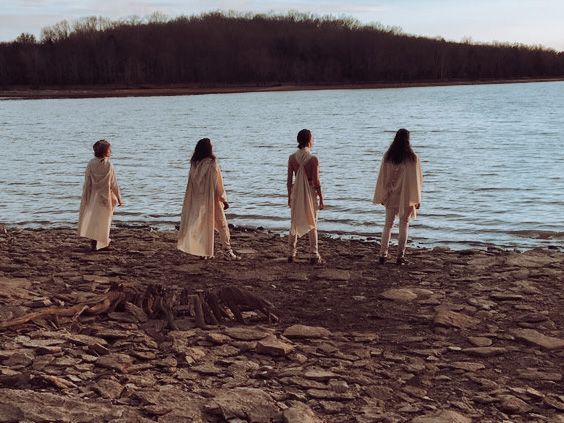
pixel 401 294
pixel 536 375
pixel 480 341
pixel 108 388
pixel 20 358
pixel 449 318
pixel 274 346
pixel 302 331
pixel 485 351
pixel 208 369
pixel 513 405
pixel 443 416
pixel 299 412
pixel 467 365
pixel 115 361
pixel 325 394
pixel 218 338
pixel 320 375
pixel 10 413
pixel 506 296
pixel 534 337
pixel 334 275
pixel 246 334
pixel 247 404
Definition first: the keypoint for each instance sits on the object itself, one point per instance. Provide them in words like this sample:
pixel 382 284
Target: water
pixel 492 156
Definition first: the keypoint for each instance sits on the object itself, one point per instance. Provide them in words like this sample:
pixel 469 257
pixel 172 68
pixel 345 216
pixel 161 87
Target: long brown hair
pixel 400 149
pixel 203 150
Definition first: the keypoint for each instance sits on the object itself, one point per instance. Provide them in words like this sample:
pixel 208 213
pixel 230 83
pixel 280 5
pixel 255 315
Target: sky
pixel 532 22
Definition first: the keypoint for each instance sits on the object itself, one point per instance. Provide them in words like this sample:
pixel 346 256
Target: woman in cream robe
pixel 100 195
pixel 304 189
pixel 204 203
pixel 399 189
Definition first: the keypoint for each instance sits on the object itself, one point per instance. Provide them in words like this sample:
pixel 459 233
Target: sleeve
pixel 86 188
pixel 380 191
pixel 114 187
pixel 290 175
pixel 219 188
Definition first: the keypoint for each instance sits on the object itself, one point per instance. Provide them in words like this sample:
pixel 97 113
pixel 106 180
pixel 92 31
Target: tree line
pixel 221 49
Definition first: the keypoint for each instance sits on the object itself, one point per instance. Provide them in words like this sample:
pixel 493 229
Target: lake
pixel 492 157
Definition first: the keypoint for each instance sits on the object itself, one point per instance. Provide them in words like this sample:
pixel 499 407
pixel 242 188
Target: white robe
pixel 399 186
pixel 303 199
pixel 100 195
pixel 202 211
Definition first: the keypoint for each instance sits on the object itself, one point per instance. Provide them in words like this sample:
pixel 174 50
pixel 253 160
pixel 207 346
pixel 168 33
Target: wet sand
pixel 455 336
pixel 175 90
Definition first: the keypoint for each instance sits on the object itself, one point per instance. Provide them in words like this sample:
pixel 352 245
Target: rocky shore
pixel 455 336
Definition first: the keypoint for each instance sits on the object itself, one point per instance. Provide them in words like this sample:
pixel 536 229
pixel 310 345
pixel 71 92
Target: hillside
pixel 218 50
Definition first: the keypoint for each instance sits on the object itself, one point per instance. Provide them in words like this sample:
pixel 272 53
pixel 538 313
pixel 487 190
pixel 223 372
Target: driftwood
pixel 207 307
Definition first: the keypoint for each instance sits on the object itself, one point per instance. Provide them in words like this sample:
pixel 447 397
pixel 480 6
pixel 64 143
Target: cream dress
pixel 202 211
pixel 100 195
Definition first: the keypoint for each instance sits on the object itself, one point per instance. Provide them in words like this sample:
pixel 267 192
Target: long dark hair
pixel 400 149
pixel 202 151
pixel 304 137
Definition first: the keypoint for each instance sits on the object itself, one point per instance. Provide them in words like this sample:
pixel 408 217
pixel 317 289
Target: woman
pixel 204 204
pixel 100 195
pixel 304 190
pixel 399 190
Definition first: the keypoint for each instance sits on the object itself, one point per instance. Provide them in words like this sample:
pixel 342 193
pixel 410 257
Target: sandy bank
pixel 175 90
pixel 458 336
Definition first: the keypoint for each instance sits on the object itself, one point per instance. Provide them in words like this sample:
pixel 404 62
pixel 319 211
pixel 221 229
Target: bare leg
pixel 387 231
pixel 292 245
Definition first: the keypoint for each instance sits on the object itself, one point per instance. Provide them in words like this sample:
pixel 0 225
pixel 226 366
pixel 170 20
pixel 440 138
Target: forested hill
pixel 222 50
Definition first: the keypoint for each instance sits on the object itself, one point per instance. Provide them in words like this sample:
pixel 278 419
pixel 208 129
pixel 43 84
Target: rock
pixel 480 341
pixel 108 388
pixel 320 375
pixel 334 275
pixel 115 361
pixel 512 405
pixel 401 294
pixel 554 403
pixel 534 337
pixel 326 394
pixel 485 351
pixel 302 331
pixel 506 296
pixel 274 346
pixel 218 338
pixel 246 334
pixel 443 416
pixel 249 404
pixel 536 375
pixel 299 413
pixel 10 413
pixel 20 358
pixel 44 406
pixel 193 354
pixel 449 318
pixel 208 369
pixel 467 365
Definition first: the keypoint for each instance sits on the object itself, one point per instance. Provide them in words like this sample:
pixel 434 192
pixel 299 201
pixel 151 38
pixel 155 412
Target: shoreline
pixel 23 93
pixel 436 340
pixel 371 239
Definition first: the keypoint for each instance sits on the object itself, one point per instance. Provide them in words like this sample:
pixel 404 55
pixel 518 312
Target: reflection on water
pixel 492 157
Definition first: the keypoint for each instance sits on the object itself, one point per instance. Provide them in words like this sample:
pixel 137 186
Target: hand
pixel 417 206
pixel 225 205
pixel 321 205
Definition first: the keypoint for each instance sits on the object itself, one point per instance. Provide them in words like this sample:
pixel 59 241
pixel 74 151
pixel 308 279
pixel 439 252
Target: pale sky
pixel 522 21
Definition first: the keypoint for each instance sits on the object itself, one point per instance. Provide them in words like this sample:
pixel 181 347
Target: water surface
pixel 492 157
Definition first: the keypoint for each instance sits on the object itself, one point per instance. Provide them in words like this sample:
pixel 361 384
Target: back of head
pixel 101 148
pixel 204 149
pixel 304 137
pixel 400 149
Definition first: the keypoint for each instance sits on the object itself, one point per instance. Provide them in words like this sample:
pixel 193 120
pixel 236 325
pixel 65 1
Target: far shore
pixel 28 93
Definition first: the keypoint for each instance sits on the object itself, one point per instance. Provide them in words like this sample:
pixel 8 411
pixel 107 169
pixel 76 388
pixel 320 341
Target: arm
pixel 86 188
pixel 220 189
